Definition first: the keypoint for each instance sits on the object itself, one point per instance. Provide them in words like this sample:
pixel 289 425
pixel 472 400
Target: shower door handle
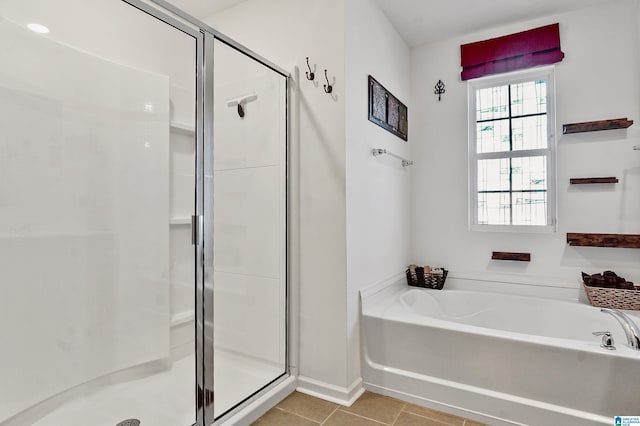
pixel 196 229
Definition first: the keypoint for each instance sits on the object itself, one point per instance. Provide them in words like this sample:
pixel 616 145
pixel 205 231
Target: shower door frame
pixel 202 220
pixel 210 36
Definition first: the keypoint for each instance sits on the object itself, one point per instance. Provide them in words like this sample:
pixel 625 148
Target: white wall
pixel 357 213
pixel 285 32
pixel 598 79
pixel 378 188
pixel 354 210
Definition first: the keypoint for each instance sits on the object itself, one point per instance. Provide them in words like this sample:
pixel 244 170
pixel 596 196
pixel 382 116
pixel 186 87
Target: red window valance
pixel 539 46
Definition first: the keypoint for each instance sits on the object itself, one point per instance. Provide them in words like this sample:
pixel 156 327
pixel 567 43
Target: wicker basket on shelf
pixel 418 278
pixel 614 298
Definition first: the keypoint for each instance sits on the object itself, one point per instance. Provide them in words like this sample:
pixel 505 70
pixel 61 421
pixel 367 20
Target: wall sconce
pixel 439 89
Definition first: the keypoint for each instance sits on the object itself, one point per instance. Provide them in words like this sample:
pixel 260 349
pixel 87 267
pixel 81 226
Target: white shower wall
pixel 249 209
pixel 119 34
pixel 78 159
pixel 68 179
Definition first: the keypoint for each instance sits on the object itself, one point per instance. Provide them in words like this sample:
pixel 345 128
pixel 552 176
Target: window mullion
pixel 513 154
pixel 487 120
pixel 510 159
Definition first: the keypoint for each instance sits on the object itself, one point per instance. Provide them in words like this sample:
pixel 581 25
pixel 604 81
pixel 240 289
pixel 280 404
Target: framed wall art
pixel 387 111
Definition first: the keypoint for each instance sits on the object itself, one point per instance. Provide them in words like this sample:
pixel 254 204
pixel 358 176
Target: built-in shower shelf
pixel 594 126
pixel 180 221
pixel 603 240
pixel 182 318
pixel 182 128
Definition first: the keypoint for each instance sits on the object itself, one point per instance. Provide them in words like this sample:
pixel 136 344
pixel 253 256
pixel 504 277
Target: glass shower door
pixel 249 226
pixel 97 157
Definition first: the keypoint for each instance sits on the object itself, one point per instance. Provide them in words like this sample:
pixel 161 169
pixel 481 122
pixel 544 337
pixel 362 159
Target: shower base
pixel 165 398
pixel 237 376
pixel 162 399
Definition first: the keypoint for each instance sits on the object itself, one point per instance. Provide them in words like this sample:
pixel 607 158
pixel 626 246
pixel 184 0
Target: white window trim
pixel 546 73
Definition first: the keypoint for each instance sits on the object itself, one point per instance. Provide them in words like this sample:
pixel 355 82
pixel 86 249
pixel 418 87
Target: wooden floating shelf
pixel 507 255
pixel 594 126
pixel 603 240
pixel 581 181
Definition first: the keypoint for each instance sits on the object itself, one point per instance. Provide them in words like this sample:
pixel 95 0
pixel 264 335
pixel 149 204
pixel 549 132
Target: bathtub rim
pixel 503 284
pixel 387 293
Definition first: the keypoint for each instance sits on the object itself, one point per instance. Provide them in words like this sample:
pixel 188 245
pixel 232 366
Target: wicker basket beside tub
pixel 428 280
pixel 614 298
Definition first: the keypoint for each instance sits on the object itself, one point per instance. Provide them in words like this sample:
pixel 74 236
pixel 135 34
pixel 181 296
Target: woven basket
pixel 432 281
pixel 614 298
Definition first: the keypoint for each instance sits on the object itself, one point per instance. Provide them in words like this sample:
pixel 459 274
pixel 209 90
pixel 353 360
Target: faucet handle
pixel 607 340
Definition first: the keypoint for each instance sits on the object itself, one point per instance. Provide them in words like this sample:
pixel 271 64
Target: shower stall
pixel 143 217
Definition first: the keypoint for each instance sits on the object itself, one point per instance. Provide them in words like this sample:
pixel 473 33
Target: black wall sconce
pixel 439 89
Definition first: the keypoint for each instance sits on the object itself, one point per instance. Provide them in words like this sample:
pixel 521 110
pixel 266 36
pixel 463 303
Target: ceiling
pixel 424 21
pixel 204 8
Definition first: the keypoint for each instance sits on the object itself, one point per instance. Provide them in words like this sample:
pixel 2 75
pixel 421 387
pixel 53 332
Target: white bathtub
pixel 498 358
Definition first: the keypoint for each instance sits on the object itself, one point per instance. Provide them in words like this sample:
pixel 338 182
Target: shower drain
pixel 129 422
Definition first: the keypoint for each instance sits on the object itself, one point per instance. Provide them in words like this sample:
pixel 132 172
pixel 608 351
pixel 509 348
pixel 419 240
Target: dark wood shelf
pixel 581 181
pixel 603 240
pixel 507 255
pixel 594 126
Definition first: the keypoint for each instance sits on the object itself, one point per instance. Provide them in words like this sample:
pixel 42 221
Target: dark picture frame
pixel 387 111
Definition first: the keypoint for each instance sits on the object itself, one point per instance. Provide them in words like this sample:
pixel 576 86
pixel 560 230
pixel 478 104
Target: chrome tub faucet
pixel 631 329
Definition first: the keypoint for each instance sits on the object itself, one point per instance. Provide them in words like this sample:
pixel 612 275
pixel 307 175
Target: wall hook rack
pixel 328 88
pixel 310 74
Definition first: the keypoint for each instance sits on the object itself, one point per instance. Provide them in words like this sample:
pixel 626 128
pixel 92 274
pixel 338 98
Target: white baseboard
pixel 339 395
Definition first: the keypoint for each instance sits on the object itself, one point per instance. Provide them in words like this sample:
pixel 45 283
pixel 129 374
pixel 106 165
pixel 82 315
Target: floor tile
pixel 408 419
pixel 308 406
pixel 448 419
pixel 473 423
pixel 278 417
pixel 370 409
pixel 377 407
pixel 342 418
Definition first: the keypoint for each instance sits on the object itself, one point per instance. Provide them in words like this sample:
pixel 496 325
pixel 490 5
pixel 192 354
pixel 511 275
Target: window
pixel 512 152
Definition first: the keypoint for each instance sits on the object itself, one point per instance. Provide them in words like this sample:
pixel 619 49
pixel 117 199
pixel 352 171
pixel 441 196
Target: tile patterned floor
pixel 371 409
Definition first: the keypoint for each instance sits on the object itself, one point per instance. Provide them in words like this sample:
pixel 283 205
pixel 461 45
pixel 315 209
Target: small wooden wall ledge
pixel 603 240
pixel 580 181
pixel 594 126
pixel 507 255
